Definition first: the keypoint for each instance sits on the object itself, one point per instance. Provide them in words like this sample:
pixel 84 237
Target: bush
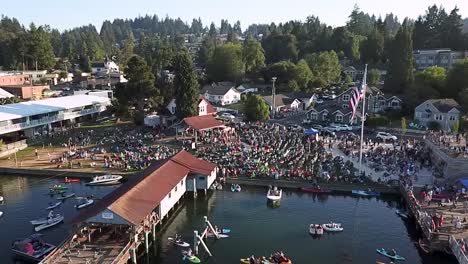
pixel 376 121
pixel 433 125
pixel 138 118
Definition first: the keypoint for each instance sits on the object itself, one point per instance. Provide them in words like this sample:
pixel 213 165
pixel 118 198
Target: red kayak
pixel 71 180
pixel 315 190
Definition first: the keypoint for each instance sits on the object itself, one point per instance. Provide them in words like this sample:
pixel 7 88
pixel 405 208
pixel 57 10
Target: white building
pixel 34 117
pixel 105 66
pixel 221 94
pixel 204 107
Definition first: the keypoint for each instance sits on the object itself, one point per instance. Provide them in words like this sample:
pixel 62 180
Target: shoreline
pixel 345 188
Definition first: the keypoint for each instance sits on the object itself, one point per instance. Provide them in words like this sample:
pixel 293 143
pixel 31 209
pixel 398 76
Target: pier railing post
pixel 195 242
pixel 146 242
pixel 154 232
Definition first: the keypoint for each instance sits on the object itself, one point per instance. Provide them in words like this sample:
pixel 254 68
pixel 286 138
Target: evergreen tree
pixel 39 48
pixel 400 72
pixel 226 64
pixel 254 57
pixel 186 85
pixel 256 109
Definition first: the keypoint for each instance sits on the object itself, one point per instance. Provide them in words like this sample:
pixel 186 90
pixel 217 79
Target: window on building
pixel 339 118
pixel 176 188
pixel 201 108
pixel 345 106
pixel 452 118
pixel 418 115
pixel 438 117
pixel 346 97
pixel 324 116
pixel 182 183
pixel 395 103
pixel 173 109
pixel 313 116
pixel 170 193
pixel 201 178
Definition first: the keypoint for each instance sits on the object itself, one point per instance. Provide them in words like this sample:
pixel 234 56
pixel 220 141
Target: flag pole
pixel 363 117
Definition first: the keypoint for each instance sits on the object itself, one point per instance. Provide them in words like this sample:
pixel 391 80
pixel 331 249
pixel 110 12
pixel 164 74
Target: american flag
pixel 358 93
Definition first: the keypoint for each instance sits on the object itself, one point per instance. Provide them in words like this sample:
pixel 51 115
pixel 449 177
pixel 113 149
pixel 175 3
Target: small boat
pixel 235 188
pixel 401 214
pixel 333 227
pixel 365 193
pixel 315 190
pixel 48 224
pixel 66 196
pixel 58 188
pixel 189 255
pixel 274 194
pixel 179 242
pixel 105 180
pixel 1 198
pixel 209 234
pixel 50 218
pixel 315 229
pixel 53 206
pixel 69 180
pixel 389 255
pixel 33 248
pixel 1 213
pixel 86 202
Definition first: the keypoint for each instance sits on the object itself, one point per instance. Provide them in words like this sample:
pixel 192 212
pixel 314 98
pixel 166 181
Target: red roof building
pixel 201 123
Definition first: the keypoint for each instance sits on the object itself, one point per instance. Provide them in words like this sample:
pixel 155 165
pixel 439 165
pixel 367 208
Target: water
pixel 256 228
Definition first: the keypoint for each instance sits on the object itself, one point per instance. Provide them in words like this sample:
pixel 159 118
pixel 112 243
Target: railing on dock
pixel 457 251
pixel 123 255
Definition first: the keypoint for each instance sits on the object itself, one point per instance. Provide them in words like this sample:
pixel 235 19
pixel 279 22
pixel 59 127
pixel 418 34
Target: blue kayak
pixel 387 254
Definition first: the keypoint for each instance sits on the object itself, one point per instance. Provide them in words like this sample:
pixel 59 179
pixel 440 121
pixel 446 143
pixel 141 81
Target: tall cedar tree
pixel 186 85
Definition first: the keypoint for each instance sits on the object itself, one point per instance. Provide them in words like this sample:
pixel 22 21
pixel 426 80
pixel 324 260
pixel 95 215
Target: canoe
pixel 66 196
pixel 44 220
pixel 315 190
pixel 385 253
pixel 53 206
pixel 71 180
pixel 84 204
pixel 48 224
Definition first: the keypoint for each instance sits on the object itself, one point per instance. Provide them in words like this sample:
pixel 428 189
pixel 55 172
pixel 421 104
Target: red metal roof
pixel 202 122
pixel 134 200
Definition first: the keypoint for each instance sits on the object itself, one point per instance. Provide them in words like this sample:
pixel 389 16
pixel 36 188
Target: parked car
pixel 339 127
pixel 227 115
pixel 345 127
pixel 318 127
pixel 386 136
pixel 327 133
pixel 306 122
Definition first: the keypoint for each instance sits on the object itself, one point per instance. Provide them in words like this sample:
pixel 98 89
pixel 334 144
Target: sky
pixel 68 14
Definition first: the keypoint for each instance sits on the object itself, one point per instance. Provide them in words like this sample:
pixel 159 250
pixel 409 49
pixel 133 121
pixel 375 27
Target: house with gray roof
pixel 446 112
pixel 282 102
pixel 221 93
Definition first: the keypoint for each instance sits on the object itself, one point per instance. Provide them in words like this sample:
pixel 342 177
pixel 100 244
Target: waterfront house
pixel 443 111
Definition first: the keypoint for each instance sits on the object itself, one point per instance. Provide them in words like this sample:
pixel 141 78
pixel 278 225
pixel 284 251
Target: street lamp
pixel 273 94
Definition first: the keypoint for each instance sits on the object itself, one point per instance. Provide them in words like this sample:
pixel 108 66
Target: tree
pixel 400 72
pixel 226 63
pixel 39 47
pixel 292 86
pixel 302 74
pixel 348 79
pixel 374 77
pixel 456 79
pixel 373 48
pixel 283 71
pixel 325 67
pixel 280 47
pixel 456 127
pixel 404 127
pixel 254 57
pixel 140 90
pixel 127 51
pixel 187 88
pixel 206 51
pixel 360 23
pixel 256 109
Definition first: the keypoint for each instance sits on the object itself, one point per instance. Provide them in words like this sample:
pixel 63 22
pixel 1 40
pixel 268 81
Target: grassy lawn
pixel 237 106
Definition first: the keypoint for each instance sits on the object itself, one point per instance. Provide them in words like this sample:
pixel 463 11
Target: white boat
pixel 53 206
pixel 333 227
pixel 66 196
pixel 105 179
pixel 48 224
pixel 274 194
pixel 50 218
pixel 1 213
pixel 179 242
pixel 85 203
pixel 1 199
pixel 315 229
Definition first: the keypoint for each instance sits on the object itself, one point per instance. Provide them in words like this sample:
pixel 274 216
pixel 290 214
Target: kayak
pixel 191 258
pixel 365 193
pixel 48 224
pixel 385 253
pixel 71 180
pixel 59 188
pixel 219 235
pixel 247 261
pixel 84 204
pixel 66 196
pixel 45 220
pixel 178 242
pixel 315 190
pixel 53 206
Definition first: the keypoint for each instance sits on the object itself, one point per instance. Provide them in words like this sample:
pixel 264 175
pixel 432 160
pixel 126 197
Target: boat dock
pixel 447 238
pixel 112 230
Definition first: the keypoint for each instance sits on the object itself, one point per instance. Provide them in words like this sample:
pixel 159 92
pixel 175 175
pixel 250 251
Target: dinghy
pixel 178 242
pixel 50 218
pixel 401 214
pixel 66 196
pixel 274 194
pixel 48 224
pixel 86 202
pixel 53 206
pixel 382 251
pixel 105 180
pixel 316 229
pixel 24 248
pixel 333 227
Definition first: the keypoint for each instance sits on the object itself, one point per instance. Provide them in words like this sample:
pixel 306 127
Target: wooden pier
pixel 445 238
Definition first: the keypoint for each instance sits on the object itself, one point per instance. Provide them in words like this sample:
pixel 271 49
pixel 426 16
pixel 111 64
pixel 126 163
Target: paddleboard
pixel 384 252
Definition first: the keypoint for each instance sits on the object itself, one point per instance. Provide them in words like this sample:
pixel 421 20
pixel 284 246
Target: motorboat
pixel 315 190
pixel 332 227
pixel 105 180
pixel 235 188
pixel 365 193
pixel 32 248
pixel 274 194
pixel 401 214
pixel 49 223
pixel 315 229
pixel 53 206
pixel 84 203
pixel 391 255
pixel 64 197
pixel 70 180
pixel 50 218
pixel 179 242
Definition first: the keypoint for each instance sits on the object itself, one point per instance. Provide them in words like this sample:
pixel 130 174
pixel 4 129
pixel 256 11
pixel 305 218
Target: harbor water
pixel 257 228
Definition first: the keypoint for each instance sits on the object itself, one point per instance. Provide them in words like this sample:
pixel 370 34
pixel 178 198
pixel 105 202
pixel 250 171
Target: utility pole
pixel 273 94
